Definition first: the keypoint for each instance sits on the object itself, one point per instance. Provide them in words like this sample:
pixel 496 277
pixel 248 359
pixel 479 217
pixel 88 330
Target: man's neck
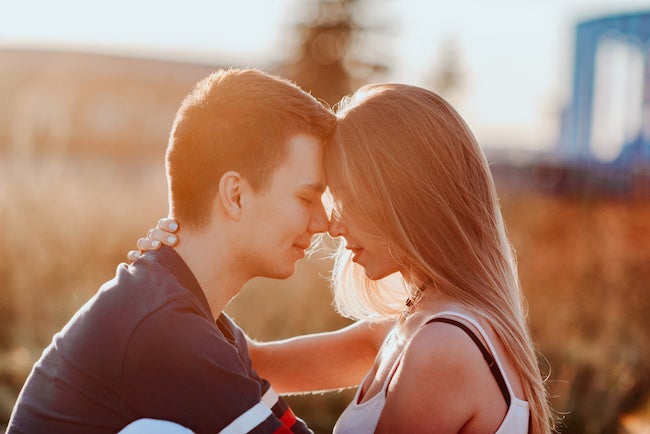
pixel 214 266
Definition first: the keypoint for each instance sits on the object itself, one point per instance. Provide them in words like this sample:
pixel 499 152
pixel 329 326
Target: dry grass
pixel 64 226
pixel 585 267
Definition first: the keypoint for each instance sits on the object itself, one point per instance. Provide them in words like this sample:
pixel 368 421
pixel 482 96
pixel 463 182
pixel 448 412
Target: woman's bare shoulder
pixel 435 384
pixel 443 349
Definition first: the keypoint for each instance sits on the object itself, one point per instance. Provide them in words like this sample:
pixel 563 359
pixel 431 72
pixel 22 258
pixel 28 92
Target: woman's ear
pixel 230 191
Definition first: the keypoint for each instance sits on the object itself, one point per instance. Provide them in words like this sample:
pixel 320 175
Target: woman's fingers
pixel 167 224
pixel 145 244
pixel 163 233
pixel 160 236
pixel 133 255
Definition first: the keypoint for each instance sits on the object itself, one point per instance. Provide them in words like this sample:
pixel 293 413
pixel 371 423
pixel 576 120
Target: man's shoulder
pixel 145 286
pixel 135 293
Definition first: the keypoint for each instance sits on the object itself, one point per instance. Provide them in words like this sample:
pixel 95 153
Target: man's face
pixel 286 213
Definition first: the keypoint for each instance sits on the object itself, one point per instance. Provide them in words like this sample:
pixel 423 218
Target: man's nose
pixel 319 222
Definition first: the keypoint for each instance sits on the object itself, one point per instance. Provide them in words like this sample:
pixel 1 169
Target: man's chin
pixel 283 273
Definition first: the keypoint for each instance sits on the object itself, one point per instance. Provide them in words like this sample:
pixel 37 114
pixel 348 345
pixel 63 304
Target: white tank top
pixel 363 418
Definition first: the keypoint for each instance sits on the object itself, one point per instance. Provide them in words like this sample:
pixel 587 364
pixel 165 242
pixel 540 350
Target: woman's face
pixel 370 251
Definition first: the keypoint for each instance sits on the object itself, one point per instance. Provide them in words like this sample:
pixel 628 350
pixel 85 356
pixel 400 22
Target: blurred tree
pixel 327 62
pixel 447 75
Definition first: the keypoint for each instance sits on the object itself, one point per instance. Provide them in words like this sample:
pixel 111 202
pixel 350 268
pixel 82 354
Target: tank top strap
pixel 491 357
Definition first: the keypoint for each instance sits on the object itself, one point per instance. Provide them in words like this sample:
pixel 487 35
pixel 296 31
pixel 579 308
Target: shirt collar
pixel 173 262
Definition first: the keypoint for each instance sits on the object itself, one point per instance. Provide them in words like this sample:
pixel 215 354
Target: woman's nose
pixel 337 229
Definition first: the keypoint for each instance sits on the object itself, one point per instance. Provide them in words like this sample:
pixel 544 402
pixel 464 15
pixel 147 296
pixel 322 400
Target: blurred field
pixel 585 265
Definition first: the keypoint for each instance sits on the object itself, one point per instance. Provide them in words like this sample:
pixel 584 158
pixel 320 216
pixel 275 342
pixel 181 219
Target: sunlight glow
pixel 514 57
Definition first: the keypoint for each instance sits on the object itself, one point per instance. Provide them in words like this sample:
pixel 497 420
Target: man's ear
pixel 231 186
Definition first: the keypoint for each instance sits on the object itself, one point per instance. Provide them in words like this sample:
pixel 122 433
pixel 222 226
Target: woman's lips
pixel 356 252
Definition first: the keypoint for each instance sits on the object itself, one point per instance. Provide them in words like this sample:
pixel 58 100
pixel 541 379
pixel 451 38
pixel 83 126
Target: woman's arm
pixel 321 361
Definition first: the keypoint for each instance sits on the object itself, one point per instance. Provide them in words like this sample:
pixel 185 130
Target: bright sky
pixel 516 55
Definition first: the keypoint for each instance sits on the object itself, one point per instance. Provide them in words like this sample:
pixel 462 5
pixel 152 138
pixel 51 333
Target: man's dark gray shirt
pixel 146 346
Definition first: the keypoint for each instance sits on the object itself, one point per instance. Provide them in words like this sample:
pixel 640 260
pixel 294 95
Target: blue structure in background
pixel 605 133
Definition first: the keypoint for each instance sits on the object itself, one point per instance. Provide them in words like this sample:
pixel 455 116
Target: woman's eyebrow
pixel 318 188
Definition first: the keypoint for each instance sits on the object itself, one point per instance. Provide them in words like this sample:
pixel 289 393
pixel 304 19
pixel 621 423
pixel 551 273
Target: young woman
pixel 414 200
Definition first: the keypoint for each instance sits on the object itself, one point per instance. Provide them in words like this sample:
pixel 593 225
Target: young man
pixel 244 167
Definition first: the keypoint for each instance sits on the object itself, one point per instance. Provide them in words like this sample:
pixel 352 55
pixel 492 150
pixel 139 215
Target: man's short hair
pixel 236 119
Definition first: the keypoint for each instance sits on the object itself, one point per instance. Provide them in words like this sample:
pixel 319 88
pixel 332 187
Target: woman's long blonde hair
pixel 407 149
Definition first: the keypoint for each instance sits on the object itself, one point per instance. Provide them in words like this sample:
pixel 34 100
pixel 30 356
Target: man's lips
pixel 301 248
